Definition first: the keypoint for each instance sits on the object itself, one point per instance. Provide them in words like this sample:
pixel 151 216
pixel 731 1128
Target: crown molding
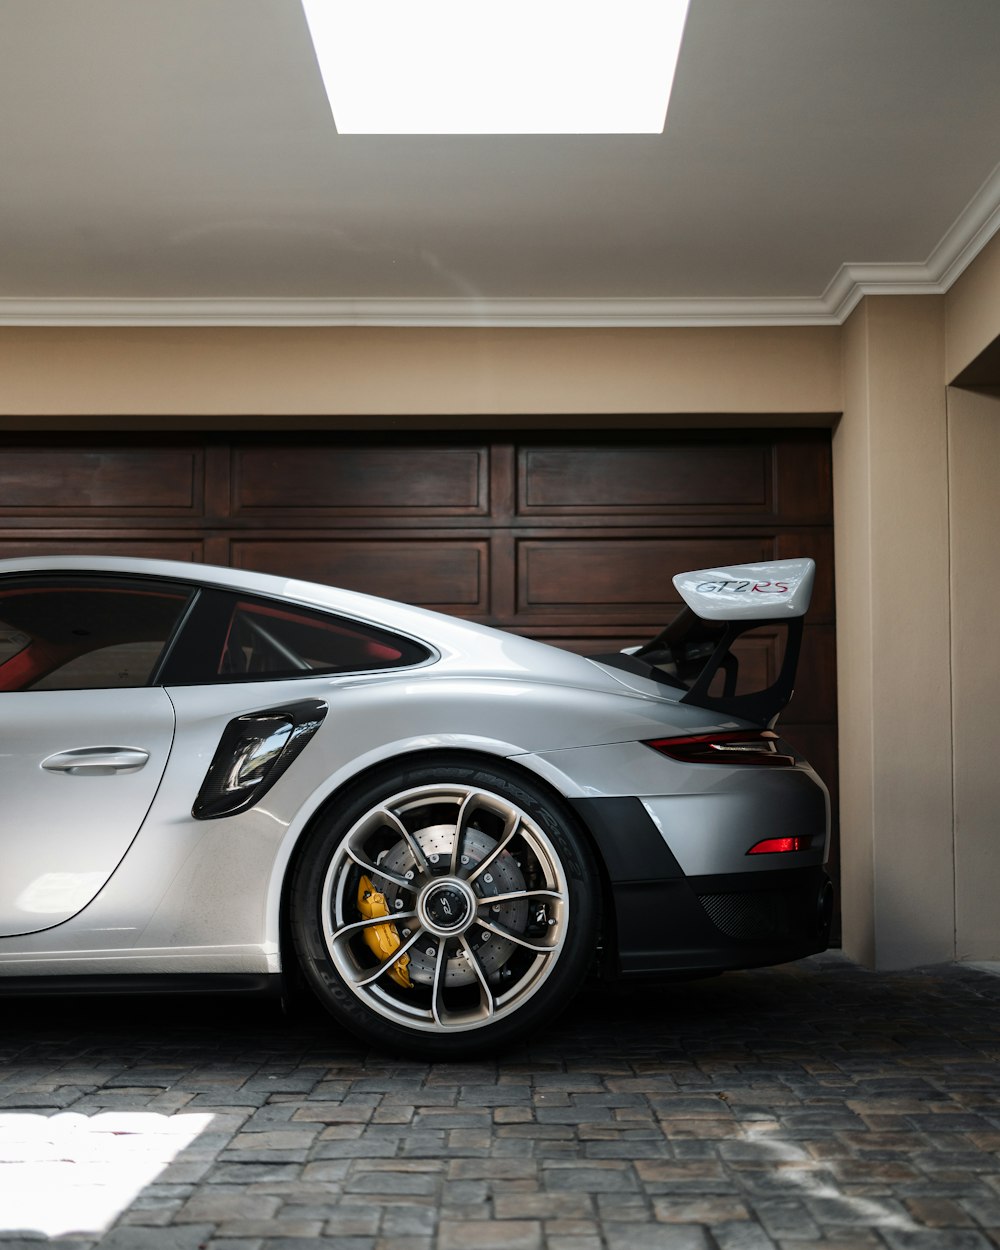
pixel 464 312
pixel 978 222
pixel 963 241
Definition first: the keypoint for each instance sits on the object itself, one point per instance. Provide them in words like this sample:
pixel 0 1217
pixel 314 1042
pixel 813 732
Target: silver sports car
pixel 215 779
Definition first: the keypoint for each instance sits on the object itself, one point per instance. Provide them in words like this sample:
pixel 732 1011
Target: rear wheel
pixel 445 909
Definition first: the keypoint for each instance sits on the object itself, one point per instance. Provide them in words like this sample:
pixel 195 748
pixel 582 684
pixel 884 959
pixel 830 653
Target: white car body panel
pixel 63 808
pixel 206 894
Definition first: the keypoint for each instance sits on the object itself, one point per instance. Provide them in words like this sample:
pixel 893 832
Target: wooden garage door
pixel 569 540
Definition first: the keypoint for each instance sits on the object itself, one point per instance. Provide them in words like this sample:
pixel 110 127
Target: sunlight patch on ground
pixel 804 1177
pixel 71 1173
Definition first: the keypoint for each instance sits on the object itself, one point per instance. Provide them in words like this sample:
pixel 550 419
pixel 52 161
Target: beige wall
pixel 973 325
pixel 891 519
pixel 855 643
pixel 184 378
pixel 974 467
pixel 972 310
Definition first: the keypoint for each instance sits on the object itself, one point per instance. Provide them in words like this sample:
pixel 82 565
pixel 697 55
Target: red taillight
pixel 745 746
pixel 775 846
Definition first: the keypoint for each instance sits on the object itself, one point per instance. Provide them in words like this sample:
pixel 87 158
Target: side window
pixel 232 638
pixel 268 640
pixel 79 633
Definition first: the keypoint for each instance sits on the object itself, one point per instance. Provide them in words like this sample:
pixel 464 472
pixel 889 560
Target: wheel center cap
pixel 447 907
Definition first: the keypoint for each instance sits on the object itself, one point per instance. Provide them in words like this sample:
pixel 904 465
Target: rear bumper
pixel 711 924
pixel 667 922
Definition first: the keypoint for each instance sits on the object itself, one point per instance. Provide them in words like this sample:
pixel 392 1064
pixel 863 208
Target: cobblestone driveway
pixel 816 1103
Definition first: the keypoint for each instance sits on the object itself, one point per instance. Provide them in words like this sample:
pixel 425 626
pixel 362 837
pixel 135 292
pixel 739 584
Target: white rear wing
pixel 700 652
pixel 749 592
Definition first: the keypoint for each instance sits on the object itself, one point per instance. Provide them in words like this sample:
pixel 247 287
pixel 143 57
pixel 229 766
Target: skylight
pixel 497 66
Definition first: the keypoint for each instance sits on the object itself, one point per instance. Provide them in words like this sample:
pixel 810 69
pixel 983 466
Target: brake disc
pixel 502 877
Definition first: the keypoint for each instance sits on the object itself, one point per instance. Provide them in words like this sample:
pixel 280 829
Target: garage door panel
pixel 650 479
pixel 447 574
pixel 100 484
pixel 13 546
pixel 803 482
pixel 593 575
pixel 401 481
pixel 816 679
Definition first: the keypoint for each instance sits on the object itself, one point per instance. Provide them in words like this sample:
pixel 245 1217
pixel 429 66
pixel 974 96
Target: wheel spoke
pixel 461 827
pixel 347 931
pixel 512 895
pixel 486 998
pixel 437 990
pixel 501 931
pixel 365 976
pixel 397 826
pixel 373 871
pixel 511 827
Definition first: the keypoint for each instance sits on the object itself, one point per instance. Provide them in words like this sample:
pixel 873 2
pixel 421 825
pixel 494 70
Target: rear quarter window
pixel 238 638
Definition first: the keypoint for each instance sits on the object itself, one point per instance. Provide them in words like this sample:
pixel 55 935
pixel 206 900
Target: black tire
pixel 405 961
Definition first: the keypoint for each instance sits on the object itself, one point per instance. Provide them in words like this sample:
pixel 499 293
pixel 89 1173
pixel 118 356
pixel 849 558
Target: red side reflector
pixel 773 846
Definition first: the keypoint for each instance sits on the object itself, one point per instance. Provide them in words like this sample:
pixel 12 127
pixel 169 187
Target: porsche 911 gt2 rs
pixel 212 778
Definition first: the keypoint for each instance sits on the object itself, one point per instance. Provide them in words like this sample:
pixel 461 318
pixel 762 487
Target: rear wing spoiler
pixel 749 592
pixel 695 651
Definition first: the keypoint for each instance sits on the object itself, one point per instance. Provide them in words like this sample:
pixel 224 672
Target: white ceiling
pixel 174 161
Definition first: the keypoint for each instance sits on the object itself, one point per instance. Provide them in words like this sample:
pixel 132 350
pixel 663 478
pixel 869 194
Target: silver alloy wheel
pixel 475 895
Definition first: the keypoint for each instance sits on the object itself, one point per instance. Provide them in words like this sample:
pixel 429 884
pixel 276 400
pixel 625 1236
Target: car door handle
pixel 96 761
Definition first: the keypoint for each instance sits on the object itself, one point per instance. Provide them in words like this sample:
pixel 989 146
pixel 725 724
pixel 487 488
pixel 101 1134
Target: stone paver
pixel 812 1106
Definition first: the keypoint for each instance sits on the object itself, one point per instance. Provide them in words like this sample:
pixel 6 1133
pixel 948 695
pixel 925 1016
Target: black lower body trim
pixel 666 922
pixel 146 983
pixel 630 844
pixel 711 924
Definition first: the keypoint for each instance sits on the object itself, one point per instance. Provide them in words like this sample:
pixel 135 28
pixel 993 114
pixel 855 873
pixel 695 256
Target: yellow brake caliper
pixel 382 939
